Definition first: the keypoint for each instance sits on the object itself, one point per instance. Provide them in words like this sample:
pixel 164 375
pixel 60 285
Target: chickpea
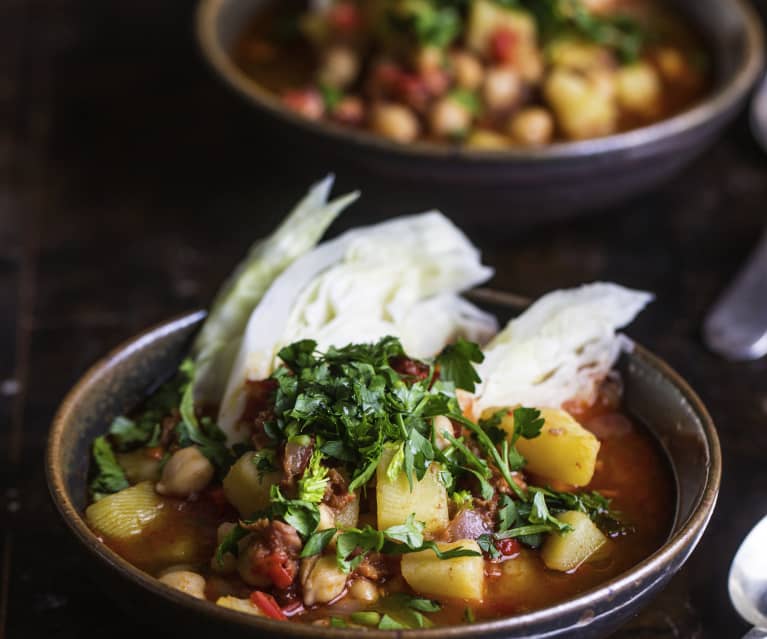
pixel 364 590
pixel 531 66
pixel 488 140
pixel 437 82
pixel 532 127
pixel 502 88
pixel 429 59
pixel 322 580
pixel 340 67
pixel 674 67
pixel 187 471
pixel 395 122
pixel 442 424
pixel 603 81
pixel 448 118
pixel 468 70
pixel 186 581
pixel 600 6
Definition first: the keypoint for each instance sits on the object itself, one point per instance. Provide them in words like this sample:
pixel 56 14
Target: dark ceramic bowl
pixel 655 394
pixel 561 177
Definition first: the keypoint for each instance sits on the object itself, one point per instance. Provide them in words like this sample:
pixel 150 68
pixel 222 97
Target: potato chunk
pixel 247 488
pixel 488 18
pixel 139 466
pixel 639 89
pixel 462 577
pixel 564 451
pixel 240 605
pixel 395 501
pixel 584 105
pixel 567 551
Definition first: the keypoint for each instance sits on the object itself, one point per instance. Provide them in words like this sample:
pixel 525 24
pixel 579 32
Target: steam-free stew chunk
pixel 461 577
pixel 246 487
pixel 564 451
pixel 396 501
pixel 569 550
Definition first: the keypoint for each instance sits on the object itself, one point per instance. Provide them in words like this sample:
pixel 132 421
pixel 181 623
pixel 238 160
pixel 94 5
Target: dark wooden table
pixel 131 183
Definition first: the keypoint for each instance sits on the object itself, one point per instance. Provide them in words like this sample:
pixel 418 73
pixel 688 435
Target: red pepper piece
pixel 267 604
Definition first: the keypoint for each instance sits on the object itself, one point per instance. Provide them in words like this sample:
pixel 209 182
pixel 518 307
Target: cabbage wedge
pixel 401 278
pixel 559 349
pixel 217 344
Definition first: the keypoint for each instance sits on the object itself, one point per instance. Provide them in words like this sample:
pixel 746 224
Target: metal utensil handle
pixel 737 325
pixel 755 633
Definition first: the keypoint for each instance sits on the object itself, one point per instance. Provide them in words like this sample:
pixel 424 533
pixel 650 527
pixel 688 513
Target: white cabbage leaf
pixel 217 343
pixel 559 349
pixel 401 277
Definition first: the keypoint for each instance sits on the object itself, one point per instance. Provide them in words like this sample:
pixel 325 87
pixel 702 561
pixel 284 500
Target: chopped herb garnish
pixel 109 477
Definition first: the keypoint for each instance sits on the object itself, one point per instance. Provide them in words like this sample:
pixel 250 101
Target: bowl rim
pixel 716 103
pixel 679 543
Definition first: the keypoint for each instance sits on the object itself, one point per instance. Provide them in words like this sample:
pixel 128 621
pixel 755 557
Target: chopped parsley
pixel 109 476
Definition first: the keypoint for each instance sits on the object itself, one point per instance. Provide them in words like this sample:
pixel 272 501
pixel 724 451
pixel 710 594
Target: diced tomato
pixel 412 90
pixel 306 102
pixel 409 367
pixel 503 45
pixel 267 604
pixel 345 17
pixel 507 547
pixel 157 452
pixel 278 571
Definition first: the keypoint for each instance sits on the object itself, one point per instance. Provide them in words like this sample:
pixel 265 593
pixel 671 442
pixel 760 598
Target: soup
pixel 352 443
pixel 484 74
pixel 180 536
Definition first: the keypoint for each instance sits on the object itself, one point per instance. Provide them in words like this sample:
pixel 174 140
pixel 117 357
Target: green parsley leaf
pixel 365 540
pixel 469 101
pixel 423 605
pixel 410 533
pixel 205 434
pixel 527 423
pixel 539 514
pixel 304 516
pixel 455 363
pixel 265 461
pixel 366 618
pixel 388 623
pixel 462 499
pixel 317 542
pixel 507 513
pixel 486 543
pixel 109 477
pixel 230 542
pixel 311 486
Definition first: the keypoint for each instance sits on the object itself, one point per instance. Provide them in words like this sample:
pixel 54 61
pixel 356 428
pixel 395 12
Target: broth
pixel 631 469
